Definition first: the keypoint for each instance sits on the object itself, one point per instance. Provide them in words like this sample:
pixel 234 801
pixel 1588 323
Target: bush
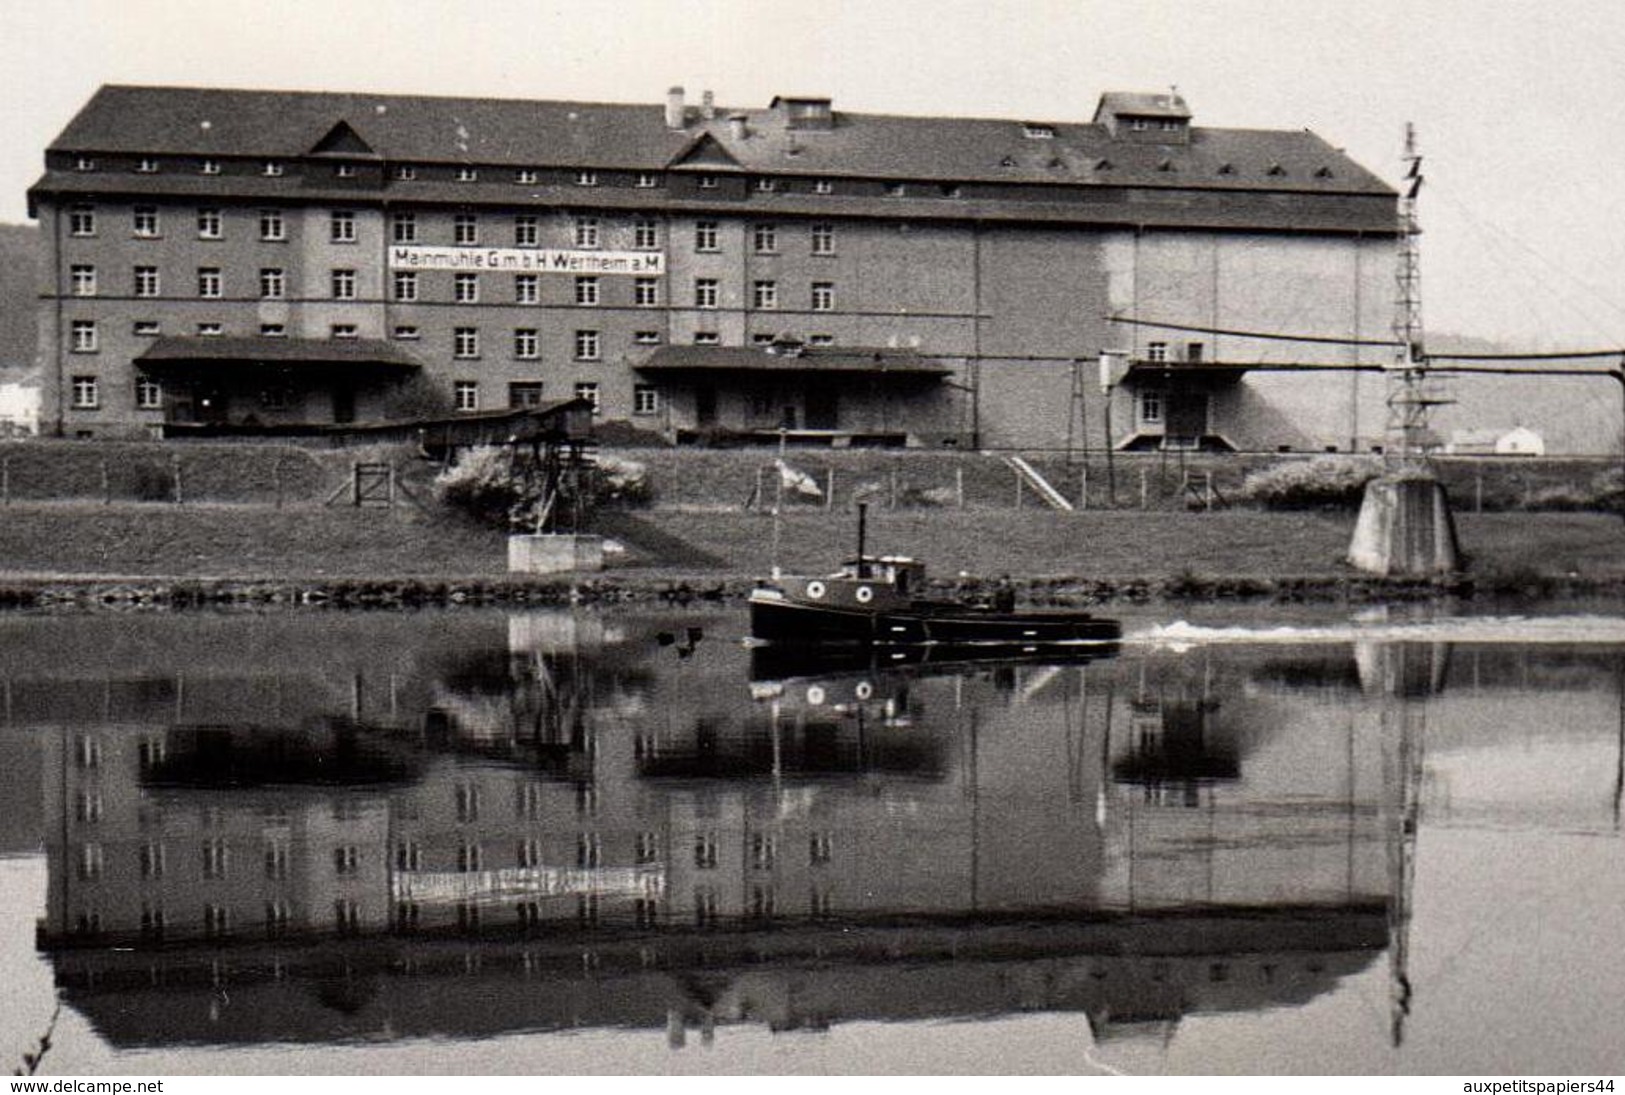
pixel 1324 482
pixel 481 485
pixel 1604 493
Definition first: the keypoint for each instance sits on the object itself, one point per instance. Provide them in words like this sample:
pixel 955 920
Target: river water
pixel 573 842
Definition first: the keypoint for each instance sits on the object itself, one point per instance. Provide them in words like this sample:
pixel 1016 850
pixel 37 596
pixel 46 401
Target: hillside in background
pixel 1575 415
pixel 19 287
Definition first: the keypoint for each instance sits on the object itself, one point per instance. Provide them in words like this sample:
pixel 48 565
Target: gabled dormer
pixel 1145 117
pixel 342 141
pixel 704 153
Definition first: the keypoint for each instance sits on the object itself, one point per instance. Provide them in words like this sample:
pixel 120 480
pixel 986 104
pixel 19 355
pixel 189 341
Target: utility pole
pixel 1410 396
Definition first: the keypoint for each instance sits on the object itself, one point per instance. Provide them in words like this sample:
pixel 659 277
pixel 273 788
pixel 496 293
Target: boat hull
pixel 777 619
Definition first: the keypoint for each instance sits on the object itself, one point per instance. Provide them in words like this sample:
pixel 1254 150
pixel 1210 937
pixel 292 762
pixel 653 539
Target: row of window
pixel 521 176
pixel 84 337
pixel 585 232
pixel 404 284
pixel 86 395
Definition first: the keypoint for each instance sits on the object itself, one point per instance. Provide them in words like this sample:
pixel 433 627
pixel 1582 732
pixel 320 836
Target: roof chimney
pixel 708 105
pixel 674 108
pixel 736 126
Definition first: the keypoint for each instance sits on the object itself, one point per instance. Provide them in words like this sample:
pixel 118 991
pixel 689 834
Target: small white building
pixel 19 410
pixel 1518 441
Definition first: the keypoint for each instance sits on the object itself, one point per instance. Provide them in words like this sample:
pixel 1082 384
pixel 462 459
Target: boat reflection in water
pixel 551 823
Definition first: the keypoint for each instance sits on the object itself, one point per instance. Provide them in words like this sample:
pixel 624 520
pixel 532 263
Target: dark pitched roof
pixel 817 359
pixel 422 129
pixel 1143 104
pixel 279 351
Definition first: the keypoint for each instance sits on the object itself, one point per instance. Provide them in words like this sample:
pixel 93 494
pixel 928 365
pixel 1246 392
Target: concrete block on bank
pixel 554 553
pixel 1405 529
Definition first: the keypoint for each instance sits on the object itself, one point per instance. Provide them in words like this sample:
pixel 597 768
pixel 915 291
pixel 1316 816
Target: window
pixel 466 395
pixel 407 332
pixel 404 285
pixel 705 851
pixel 405 172
pixel 272 226
pixel 148 394
pixel 705 236
pixel 763 338
pixel 707 338
pixel 823 186
pixel 646 338
pixel 823 239
pixel 526 288
pixel 82 279
pixel 525 393
pixel 208 282
pixel 465 288
pixel 211 330
pixel 708 182
pixel 765 238
pixel 346 859
pixel 271 169
pixel 344 171
pixel 273 283
pixel 646 180
pixel 766 186
pixel 819 848
pixel 646 292
pixel 146 328
pixel 589 849
pixel 820 340
pixel 646 235
pixel 896 189
pixel 1194 351
pixel 465 228
pixel 403 227
pixel 146 166
pixel 764 294
pixel 146 281
pixel 84 163
pixel 86 394
pixel 146 221
pixel 152 860
pixel 588 346
pixel 950 191
pixel 587 291
pixel 645 399
pixel 586 232
pixel 588 390
pixel 526 231
pixel 341 226
pixel 705 292
pixel 1156 351
pixel 1139 125
pixel 468 174
pixel 465 342
pixel 343 284
pixel 1170 125
pixel 81 220
pixel 209 224
pixel 823 296
pixel 273 330
pixel 586 178
pixel 1038 132
pixel 526 176
pixel 526 344
pixel 1150 408
pixel 342 330
pixel 82 333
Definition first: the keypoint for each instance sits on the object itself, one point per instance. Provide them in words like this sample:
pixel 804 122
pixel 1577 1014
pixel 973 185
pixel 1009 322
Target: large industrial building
pixel 241 261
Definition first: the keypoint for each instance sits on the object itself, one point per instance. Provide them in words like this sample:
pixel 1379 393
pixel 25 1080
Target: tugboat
pixel 881 601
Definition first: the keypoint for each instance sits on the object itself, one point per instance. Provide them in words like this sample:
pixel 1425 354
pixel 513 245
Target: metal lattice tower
pixel 1411 397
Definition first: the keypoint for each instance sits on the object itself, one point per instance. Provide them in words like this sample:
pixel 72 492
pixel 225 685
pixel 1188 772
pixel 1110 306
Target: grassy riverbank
pixel 89 542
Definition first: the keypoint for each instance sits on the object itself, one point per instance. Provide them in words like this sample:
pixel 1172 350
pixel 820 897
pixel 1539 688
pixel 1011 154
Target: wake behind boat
pixel 882 601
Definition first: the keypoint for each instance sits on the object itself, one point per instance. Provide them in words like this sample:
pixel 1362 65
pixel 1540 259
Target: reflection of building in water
pixel 645 840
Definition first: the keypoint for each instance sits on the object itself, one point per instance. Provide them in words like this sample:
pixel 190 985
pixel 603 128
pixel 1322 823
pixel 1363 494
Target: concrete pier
pixel 554 553
pixel 1405 528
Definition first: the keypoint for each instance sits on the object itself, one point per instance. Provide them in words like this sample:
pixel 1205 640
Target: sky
pixel 1519 105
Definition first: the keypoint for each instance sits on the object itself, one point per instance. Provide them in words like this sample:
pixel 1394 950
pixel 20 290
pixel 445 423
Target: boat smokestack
pixel 863 531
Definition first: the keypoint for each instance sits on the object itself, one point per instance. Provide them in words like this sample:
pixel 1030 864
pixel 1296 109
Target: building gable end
pixel 342 140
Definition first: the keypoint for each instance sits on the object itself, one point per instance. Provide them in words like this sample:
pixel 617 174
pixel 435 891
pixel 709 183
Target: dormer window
pixel 405 172
pixel 1276 170
pixel 823 186
pixel 527 176
pixel 708 182
pixel 147 166
pixel 1139 125
pixel 1227 169
pixel 209 167
pixel 84 163
pixel 896 189
pixel 468 174
pixel 1171 125
pixel 344 171
pixel 1323 172
pixel 1007 161
pixel 271 169
pixel 1166 165
pixel 1036 131
pixel 766 186
pixel 805 113
pixel 586 178
pixel 647 180
pixel 1103 165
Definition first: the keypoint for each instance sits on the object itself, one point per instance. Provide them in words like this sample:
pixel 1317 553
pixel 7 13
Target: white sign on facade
pixel 527 259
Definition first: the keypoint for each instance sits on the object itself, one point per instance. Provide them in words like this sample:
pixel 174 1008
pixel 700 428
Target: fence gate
pixel 374 484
